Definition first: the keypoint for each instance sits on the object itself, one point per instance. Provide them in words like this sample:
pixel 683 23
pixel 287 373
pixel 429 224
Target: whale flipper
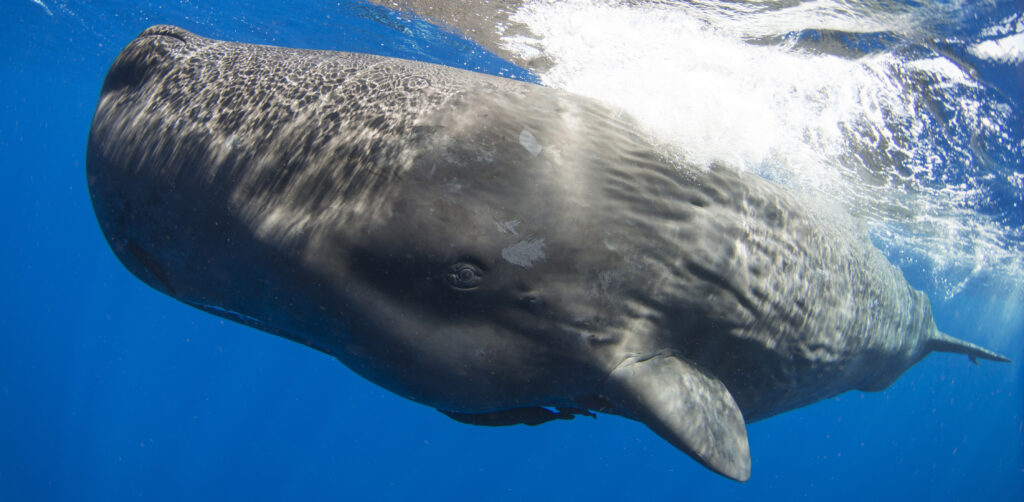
pixel 686 406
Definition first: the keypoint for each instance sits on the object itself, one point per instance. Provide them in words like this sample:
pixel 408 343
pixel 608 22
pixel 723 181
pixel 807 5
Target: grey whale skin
pixel 501 251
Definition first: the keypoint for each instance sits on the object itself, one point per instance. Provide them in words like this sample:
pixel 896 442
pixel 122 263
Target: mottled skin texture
pixel 488 247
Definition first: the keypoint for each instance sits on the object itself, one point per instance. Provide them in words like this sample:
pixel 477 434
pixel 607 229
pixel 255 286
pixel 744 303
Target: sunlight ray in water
pixel 847 99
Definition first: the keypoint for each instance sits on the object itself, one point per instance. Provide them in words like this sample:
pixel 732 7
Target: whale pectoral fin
pixel 686 406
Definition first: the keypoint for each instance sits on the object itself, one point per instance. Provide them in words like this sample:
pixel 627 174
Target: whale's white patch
pixel 524 253
pixel 529 142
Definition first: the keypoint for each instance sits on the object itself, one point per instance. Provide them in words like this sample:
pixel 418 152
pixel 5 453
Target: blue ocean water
pixel 111 391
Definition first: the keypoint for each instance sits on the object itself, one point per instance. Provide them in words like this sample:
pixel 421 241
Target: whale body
pixel 503 252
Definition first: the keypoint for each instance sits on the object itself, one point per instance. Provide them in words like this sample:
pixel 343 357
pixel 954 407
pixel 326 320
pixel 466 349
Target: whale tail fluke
pixel 941 342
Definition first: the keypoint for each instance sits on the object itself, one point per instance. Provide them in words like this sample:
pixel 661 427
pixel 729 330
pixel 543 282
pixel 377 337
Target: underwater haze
pixel 907 114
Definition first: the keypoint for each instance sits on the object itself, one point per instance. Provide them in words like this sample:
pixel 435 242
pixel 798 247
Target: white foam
pixel 1008 25
pixel 1007 50
pixel 859 130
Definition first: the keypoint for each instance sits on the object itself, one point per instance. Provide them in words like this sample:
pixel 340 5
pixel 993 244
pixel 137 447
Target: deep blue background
pixel 109 390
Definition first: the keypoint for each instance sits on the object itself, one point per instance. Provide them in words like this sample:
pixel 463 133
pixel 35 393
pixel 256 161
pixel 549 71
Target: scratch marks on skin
pixel 524 253
pixel 453 185
pixel 507 227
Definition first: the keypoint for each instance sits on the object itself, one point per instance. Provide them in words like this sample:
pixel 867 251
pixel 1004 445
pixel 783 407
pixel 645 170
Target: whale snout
pixel 150 54
pixel 165 30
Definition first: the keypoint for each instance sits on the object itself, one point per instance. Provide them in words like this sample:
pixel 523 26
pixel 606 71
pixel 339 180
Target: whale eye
pixel 464 276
